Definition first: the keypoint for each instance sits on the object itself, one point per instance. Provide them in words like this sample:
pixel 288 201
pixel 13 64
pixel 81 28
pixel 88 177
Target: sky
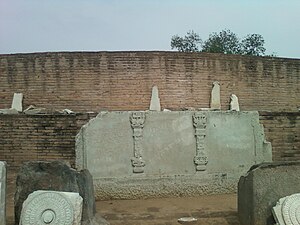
pixel 143 25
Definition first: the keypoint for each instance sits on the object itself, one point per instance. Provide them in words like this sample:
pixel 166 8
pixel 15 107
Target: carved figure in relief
pixel 137 120
pixel 200 160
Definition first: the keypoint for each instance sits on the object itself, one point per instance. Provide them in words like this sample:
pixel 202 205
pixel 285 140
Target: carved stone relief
pixel 287 210
pixel 50 207
pixel 137 121
pixel 199 122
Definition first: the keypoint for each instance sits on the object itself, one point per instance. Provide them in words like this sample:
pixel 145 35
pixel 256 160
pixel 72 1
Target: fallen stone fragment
pixel 32 110
pixel 8 111
pixel 187 220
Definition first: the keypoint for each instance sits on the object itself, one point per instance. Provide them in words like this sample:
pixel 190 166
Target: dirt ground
pixel 215 209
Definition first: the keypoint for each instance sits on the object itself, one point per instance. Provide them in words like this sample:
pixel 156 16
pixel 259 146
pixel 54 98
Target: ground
pixel 214 209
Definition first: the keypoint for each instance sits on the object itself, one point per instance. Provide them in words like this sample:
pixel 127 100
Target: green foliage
pixel 253 44
pixel 225 42
pixel 188 43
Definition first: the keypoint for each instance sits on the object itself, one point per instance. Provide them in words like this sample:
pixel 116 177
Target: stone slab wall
pixel 46 137
pixel 199 150
pixel 94 81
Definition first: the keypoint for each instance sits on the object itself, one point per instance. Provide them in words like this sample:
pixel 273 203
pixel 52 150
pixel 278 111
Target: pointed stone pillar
pixel 155 101
pixel 215 99
pixel 234 103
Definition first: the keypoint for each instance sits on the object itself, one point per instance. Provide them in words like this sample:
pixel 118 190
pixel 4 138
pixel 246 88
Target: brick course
pixel 91 81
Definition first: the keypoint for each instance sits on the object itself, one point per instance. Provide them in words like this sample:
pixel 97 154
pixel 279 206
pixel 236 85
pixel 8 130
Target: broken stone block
pixel 215 100
pixel 55 176
pixel 17 102
pixel 287 210
pixel 262 186
pixel 8 111
pixel 52 207
pixel 234 103
pixel 2 193
pixel 32 110
pixel 155 101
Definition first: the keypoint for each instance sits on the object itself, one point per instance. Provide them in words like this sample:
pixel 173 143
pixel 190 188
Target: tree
pixel 253 44
pixel 188 43
pixel 225 42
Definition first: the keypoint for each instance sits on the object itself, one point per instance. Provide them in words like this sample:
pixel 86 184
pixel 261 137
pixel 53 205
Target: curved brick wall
pixel 93 81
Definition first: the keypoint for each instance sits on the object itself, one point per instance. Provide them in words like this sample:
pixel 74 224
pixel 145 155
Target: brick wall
pixel 48 137
pixel 282 129
pixel 39 137
pixel 91 81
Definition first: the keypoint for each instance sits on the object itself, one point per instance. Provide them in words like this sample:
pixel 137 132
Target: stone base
pixel 150 187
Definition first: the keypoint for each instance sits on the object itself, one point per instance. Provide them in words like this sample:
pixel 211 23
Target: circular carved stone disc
pixel 47 208
pixel 291 210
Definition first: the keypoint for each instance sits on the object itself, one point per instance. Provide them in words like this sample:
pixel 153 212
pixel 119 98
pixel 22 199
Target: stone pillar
pixel 234 103
pixel 17 102
pixel 215 99
pixel 2 193
pixel 155 101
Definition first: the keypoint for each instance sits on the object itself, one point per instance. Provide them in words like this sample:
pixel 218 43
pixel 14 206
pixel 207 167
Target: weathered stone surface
pixel 215 98
pixel 32 110
pixel 262 186
pixel 155 101
pixel 17 102
pixel 180 158
pixel 52 207
pixel 287 210
pixel 8 111
pixel 2 193
pixel 234 103
pixel 55 176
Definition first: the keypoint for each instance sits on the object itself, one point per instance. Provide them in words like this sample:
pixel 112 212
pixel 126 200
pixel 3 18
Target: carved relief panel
pixel 137 121
pixel 199 122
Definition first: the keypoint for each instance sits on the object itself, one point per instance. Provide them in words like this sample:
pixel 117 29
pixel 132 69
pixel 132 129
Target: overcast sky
pixel 111 25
